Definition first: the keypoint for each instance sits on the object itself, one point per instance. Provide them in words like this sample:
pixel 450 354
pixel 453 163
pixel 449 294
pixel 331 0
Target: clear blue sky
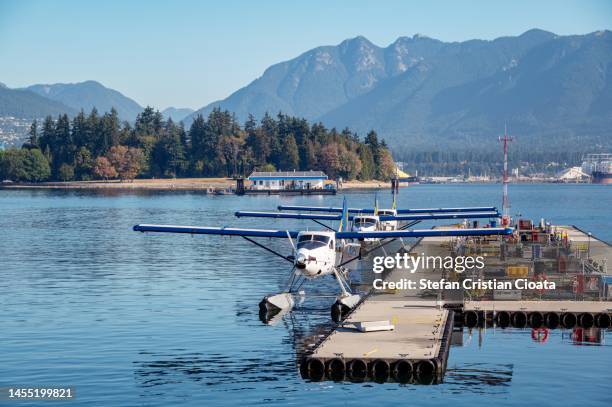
pixel 189 53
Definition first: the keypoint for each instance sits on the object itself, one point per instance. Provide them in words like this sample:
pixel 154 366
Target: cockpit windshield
pixel 386 213
pixel 364 222
pixel 312 241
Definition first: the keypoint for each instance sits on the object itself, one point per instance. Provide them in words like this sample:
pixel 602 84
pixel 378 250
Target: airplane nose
pixel 300 262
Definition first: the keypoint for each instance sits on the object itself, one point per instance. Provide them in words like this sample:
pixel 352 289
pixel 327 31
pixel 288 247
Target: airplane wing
pixel 460 209
pixel 424 233
pixel 316 209
pixel 371 210
pixel 434 216
pixel 199 230
pixel 285 215
pixel 332 217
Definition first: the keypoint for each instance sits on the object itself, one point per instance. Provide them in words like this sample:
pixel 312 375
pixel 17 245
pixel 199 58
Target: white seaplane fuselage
pixel 315 256
pixel 366 223
pixel 388 224
pixel 315 253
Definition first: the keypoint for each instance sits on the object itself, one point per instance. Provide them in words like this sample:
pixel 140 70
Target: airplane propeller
pixel 293 249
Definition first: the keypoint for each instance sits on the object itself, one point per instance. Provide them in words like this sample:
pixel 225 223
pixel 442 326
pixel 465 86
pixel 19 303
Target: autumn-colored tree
pixel 386 165
pixel 134 160
pixel 350 164
pixel 329 160
pixel 127 161
pixel 102 168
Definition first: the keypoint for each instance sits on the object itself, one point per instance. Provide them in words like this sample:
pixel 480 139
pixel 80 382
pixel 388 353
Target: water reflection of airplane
pixel 320 253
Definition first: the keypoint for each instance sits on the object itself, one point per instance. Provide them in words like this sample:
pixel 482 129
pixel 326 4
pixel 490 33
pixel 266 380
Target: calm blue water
pixel 132 319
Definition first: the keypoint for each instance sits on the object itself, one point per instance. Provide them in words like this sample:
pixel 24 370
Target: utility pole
pixel 505 199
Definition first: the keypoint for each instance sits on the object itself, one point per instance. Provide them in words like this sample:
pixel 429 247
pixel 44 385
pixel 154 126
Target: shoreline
pixel 184 184
pixel 211 184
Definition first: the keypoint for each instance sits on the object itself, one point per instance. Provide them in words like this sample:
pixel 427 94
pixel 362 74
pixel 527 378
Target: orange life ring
pixel 539 335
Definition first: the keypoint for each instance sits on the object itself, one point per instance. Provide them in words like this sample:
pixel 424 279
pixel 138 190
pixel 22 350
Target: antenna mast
pixel 505 199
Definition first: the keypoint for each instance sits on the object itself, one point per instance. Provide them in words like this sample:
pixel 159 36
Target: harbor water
pixel 130 319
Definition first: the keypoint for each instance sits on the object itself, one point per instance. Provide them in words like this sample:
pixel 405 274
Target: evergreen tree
pixel 83 164
pixel 290 156
pixel 33 136
pixel 368 167
pixel 91 132
pixel 197 134
pixel 371 141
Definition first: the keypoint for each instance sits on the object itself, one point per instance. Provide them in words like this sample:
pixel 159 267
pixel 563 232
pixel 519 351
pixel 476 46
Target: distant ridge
pixel 422 92
pixel 176 113
pixel 87 95
pixel 24 104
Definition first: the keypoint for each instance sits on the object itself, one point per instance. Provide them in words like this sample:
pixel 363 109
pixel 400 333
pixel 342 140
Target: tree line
pixel 93 146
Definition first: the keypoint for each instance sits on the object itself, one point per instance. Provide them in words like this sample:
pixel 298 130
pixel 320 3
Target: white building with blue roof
pixel 278 180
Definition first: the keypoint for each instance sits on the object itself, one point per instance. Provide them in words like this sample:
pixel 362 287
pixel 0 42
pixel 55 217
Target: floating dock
pixel 294 191
pixel 417 349
pixel 537 314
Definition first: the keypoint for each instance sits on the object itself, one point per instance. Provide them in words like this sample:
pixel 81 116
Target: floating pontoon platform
pixel 417 347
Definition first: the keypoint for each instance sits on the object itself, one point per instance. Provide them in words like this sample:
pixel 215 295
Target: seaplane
pixel 374 219
pixel 371 222
pixel 317 254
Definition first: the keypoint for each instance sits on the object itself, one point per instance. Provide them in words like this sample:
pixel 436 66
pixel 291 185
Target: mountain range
pixel 40 100
pixel 87 95
pixel 418 92
pixel 421 92
pixel 24 104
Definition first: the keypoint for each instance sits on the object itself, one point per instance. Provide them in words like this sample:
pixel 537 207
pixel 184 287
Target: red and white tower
pixel 505 199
